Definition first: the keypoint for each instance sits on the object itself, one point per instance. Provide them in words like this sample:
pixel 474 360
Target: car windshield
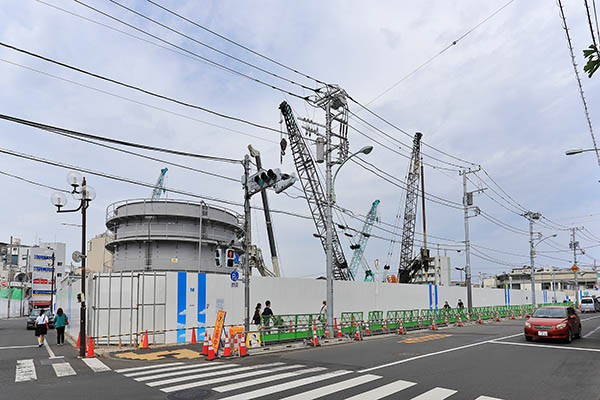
pixel 587 301
pixel 35 313
pixel 550 313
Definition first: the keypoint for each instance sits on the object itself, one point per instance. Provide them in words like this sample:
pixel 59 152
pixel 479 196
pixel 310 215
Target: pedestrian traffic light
pixel 230 258
pixel 218 257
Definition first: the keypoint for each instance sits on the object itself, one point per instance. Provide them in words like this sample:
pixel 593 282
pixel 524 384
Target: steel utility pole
pixel 468 203
pixel 329 221
pixel 247 243
pixel 425 252
pixel 531 216
pixel 574 245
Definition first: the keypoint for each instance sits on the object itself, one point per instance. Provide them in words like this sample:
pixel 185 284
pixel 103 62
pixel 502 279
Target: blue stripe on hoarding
pixel 430 298
pixel 201 302
pixel 508 294
pixel 436 297
pixel 181 305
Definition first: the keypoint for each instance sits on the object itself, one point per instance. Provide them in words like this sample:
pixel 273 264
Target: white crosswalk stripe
pixel 273 379
pixel 383 391
pixel 336 387
pixel 63 369
pixel 25 371
pixel 437 393
pixel 95 364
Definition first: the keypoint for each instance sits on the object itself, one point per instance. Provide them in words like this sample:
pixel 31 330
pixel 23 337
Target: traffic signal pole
pixel 247 242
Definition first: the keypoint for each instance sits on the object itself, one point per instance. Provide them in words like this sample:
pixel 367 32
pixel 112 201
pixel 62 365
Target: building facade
pixel 99 259
pixel 165 235
pixel 439 274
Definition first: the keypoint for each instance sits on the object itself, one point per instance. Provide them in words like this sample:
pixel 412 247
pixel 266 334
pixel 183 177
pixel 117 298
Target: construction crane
pixel 313 190
pixel 408 265
pixel 159 188
pixel 365 234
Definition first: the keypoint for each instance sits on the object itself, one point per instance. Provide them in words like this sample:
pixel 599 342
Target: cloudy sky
pixel 504 97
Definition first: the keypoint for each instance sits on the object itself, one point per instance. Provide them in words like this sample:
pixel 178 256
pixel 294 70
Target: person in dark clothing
pixel 447 306
pixel 257 316
pixel 267 314
pixel 460 304
pixel 60 322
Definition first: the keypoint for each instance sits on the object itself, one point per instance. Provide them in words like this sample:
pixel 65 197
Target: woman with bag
pixel 60 322
pixel 41 327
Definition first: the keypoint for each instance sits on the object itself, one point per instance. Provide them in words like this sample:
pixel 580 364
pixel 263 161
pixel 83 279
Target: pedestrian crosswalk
pixel 235 381
pixel 27 370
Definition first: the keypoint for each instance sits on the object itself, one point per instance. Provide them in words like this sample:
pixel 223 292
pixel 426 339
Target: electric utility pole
pixel 575 245
pixel 468 204
pixel 247 243
pixel 531 216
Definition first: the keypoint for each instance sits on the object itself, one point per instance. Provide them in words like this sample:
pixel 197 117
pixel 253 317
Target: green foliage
pixel 593 56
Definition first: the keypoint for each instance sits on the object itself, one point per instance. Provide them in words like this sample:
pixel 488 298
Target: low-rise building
pixel 438 274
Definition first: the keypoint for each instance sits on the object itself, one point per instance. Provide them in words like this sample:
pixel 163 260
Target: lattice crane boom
pixel 313 190
pixel 364 238
pixel 159 188
pixel 410 211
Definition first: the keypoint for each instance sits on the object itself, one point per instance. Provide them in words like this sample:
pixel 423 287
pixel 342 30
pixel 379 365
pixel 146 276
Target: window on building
pixel 59 263
pixel 516 286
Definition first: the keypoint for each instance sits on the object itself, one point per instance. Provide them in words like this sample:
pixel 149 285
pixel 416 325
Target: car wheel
pixel 569 336
pixel 529 338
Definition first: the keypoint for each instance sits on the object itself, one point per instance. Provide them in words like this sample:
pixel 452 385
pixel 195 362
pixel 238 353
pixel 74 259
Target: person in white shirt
pixel 41 327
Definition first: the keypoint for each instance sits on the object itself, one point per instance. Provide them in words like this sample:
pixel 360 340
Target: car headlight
pixel 527 324
pixel 561 326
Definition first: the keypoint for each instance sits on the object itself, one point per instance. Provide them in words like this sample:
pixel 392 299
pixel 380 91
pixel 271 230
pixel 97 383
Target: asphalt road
pixel 492 361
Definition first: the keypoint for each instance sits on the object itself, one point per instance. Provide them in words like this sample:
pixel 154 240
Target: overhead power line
pixel 34 182
pixel 139 14
pixel 207 60
pixel 136 88
pixel 56 129
pixel 234 42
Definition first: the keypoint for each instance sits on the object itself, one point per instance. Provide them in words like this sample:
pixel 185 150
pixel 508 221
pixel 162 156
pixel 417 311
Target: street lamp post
pixel 330 189
pixel 84 193
pixel 577 151
pixel 461 272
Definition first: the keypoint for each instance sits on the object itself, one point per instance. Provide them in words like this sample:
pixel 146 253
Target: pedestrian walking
pixel 257 316
pixel 41 327
pixel 60 323
pixel 460 304
pixel 267 314
pixel 323 312
pixel 447 306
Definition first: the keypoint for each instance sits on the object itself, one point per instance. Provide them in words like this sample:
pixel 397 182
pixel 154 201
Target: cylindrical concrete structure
pixel 164 235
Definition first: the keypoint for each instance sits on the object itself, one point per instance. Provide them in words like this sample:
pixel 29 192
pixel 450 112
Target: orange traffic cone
pixel 78 340
pixel 211 352
pixel 460 323
pixel 194 336
pixel 468 316
pixel 315 341
pixel 243 352
pixel 479 321
pixel 433 325
pixel 234 349
pixel 90 349
pixel 512 315
pixel 419 322
pixel 384 325
pixel 205 346
pixel 144 344
pixel 357 333
pixel 291 327
pixel 497 317
pixel 368 332
pixel 446 321
pixel 401 328
pixel 337 328
pixel 227 348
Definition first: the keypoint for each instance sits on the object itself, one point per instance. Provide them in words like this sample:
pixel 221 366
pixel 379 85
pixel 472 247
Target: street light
pixel 461 272
pixel 330 185
pixel 577 151
pixel 84 193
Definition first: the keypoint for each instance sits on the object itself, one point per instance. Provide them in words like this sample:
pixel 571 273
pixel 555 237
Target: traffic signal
pixel 218 257
pixel 283 182
pixel 230 258
pixel 269 178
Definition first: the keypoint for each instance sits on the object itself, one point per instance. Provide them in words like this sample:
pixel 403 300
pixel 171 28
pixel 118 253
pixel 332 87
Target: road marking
pixel 285 386
pixel 587 319
pixel 592 332
pixel 487 398
pixel 147 367
pixel 161 355
pixel 95 364
pixel 209 374
pixel 435 353
pixel 50 352
pixel 63 369
pixel 177 368
pixel 254 382
pixel 426 338
pixel 333 388
pixel 25 371
pixel 187 371
pixel 18 347
pixel 240 377
pixel 437 393
pixel 383 391
pixel 547 346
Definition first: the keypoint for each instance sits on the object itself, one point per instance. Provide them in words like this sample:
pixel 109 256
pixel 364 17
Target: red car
pixel 553 323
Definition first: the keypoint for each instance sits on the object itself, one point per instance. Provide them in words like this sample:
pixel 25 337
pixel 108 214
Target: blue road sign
pixel 234 276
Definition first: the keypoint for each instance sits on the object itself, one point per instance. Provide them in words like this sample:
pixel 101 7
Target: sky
pixel 504 97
